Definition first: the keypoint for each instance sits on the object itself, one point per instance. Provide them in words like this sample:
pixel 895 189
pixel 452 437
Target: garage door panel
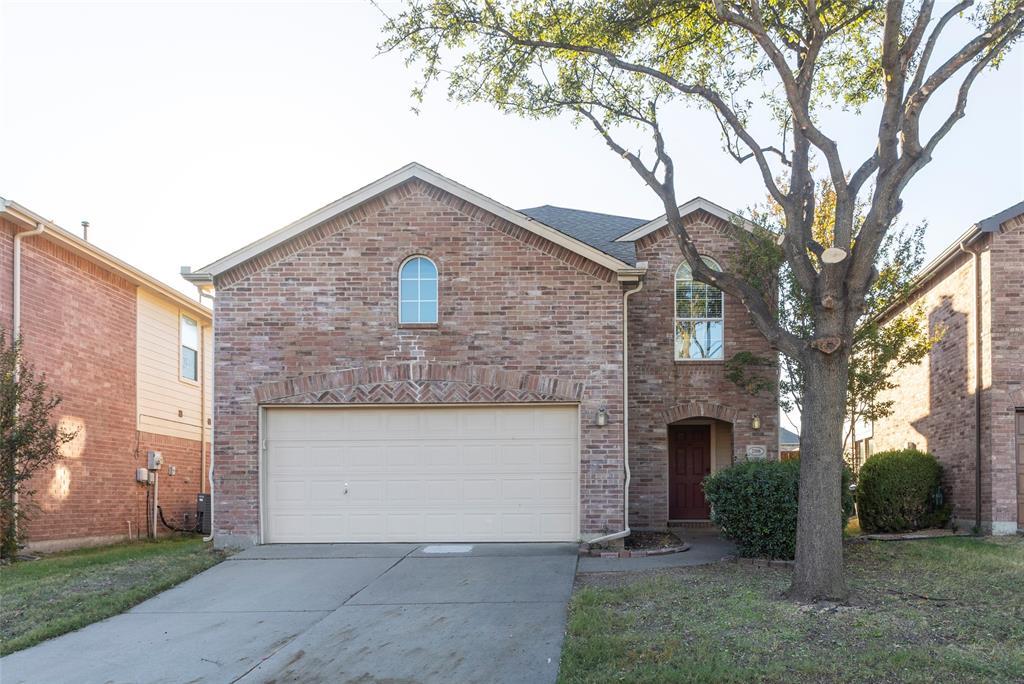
pixel 481 490
pixel 329 493
pixel 285 491
pixel 524 490
pixel 514 456
pixel 477 455
pixel 422 474
pixel 438 525
pixel 556 524
pixel 444 492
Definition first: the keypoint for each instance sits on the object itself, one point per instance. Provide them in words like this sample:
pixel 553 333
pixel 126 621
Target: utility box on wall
pixel 155 460
pixel 203 513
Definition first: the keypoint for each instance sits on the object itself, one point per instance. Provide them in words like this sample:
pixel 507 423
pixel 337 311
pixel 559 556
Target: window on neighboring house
pixel 189 349
pixel 417 291
pixel 699 323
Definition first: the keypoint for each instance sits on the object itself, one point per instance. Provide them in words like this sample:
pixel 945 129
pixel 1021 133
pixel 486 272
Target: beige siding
pixel 162 394
pixel 723 445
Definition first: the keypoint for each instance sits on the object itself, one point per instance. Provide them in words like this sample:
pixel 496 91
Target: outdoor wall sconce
pixel 755 422
pixel 602 417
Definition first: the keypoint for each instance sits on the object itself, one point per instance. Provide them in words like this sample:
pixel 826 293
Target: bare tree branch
pixel 754 301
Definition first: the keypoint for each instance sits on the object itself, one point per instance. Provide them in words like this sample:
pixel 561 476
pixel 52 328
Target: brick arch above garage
pixel 420 382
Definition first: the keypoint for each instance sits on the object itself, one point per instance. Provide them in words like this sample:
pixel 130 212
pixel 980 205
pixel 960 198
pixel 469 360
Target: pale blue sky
pixel 183 131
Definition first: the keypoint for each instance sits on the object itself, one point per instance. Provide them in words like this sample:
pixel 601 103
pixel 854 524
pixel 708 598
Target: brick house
pixel 131 359
pixel 417 362
pixel 965 402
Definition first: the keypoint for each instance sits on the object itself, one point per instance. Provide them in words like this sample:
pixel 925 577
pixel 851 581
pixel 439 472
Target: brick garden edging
pixel 635 553
pixel 764 562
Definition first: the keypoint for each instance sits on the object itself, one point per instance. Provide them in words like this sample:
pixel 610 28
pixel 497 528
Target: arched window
pixel 417 291
pixel 699 324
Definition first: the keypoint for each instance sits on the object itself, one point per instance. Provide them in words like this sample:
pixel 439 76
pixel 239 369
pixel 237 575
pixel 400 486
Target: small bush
pixel 755 504
pixel 897 491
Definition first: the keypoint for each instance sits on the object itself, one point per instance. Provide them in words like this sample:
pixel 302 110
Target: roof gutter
pixel 92 253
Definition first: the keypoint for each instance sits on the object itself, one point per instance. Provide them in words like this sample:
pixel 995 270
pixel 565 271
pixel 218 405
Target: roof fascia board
pixel 99 257
pixel 386 183
pixel 931 268
pixel 696 204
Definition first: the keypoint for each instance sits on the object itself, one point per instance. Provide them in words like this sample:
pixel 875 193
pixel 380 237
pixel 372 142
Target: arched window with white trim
pixel 699 316
pixel 417 291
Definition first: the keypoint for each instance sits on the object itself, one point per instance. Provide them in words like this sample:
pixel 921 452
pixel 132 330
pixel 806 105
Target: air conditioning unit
pixel 204 513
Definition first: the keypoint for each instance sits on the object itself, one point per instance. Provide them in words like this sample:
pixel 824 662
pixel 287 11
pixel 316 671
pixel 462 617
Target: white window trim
pixel 199 352
pixel 676 319
pixel 437 302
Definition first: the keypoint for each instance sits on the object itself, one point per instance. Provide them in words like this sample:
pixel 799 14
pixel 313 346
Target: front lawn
pixel 943 610
pixel 61 592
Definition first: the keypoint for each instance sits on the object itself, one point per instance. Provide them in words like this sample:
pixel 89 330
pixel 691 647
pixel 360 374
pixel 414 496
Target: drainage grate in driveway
pixel 448 548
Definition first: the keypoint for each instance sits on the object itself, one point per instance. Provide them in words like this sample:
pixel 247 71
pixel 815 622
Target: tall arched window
pixel 417 291
pixel 699 323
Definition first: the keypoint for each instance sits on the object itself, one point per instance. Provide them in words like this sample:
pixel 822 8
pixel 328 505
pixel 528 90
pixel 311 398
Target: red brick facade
pixel 521 319
pixel 1003 482
pixel 935 400
pixel 510 303
pixel 664 391
pixel 78 327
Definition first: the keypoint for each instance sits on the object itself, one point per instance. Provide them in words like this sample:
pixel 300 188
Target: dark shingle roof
pixel 994 222
pixel 597 230
pixel 788 437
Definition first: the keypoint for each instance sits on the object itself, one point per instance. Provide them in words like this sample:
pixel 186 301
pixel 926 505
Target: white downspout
pixel 213 396
pixel 16 323
pixel 625 418
pixel 18 237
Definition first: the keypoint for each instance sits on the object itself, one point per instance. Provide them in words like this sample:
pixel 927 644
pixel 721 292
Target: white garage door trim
pixel 394 531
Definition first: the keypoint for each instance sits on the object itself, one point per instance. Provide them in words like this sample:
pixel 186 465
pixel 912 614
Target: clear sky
pixel 183 131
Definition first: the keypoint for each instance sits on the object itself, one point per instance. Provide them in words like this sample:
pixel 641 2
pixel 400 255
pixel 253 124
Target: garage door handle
pixel 346 488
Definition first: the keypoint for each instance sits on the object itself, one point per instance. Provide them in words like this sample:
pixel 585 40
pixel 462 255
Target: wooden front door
pixel 689 462
pixel 1020 470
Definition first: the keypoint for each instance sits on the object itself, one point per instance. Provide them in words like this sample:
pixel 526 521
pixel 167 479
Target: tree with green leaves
pixel 29 440
pixel 765 71
pixel 883 342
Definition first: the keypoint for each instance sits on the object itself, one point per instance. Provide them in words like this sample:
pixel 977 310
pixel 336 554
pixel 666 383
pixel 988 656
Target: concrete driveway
pixel 333 613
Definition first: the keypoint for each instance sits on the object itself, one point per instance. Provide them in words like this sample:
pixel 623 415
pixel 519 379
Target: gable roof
pixel 992 224
pixel 696 204
pixel 597 230
pixel 90 252
pixel 788 438
pixel 382 185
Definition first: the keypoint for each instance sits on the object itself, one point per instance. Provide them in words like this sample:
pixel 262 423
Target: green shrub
pixel 897 491
pixel 755 504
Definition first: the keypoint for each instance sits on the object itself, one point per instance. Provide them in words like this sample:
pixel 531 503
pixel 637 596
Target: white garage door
pixel 421 474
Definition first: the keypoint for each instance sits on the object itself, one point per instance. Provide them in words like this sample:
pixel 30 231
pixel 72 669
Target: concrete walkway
pixel 332 613
pixel 706 546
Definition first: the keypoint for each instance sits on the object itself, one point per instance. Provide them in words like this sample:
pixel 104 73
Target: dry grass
pixel 943 610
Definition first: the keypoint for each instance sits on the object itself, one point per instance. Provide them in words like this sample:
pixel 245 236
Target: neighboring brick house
pixel 131 359
pixel 417 362
pixel 972 421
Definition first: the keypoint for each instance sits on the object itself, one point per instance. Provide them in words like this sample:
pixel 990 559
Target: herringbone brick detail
pixel 433 381
pixel 419 392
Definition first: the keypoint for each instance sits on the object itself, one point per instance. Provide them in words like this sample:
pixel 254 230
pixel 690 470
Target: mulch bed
pixel 640 545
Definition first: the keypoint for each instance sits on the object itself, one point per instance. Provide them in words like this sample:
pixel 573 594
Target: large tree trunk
pixel 818 574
